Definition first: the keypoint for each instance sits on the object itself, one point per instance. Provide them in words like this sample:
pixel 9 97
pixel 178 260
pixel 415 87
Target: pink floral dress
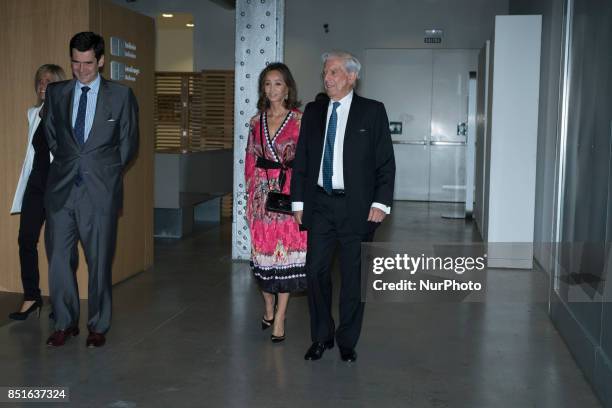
pixel 278 247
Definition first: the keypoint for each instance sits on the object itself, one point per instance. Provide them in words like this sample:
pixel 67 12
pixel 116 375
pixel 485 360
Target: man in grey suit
pixel 92 130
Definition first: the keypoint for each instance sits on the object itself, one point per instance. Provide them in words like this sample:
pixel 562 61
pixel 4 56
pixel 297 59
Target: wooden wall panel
pixel 34 32
pixel 178 112
pixel 135 237
pixel 218 116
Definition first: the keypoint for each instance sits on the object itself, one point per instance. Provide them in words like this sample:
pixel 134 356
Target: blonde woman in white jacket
pixel 30 193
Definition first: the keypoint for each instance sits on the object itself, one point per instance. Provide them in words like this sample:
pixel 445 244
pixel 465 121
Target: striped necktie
pixel 328 156
pixel 79 124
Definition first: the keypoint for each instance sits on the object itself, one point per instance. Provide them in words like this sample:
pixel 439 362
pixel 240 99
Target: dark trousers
pixel 79 221
pixel 331 227
pixel 30 223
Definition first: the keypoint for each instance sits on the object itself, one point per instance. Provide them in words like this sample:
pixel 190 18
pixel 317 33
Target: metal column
pixel 259 41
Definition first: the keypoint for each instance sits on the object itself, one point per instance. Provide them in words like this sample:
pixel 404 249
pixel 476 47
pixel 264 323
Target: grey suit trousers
pixel 79 221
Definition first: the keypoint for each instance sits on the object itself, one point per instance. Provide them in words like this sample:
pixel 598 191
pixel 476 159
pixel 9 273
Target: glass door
pixel 425 93
pixel 401 79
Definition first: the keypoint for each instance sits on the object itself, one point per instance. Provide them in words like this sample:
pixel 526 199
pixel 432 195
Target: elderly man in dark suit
pixel 341 190
pixel 92 131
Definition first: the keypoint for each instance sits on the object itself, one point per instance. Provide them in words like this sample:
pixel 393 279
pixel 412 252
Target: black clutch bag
pixel 276 201
pixel 279 202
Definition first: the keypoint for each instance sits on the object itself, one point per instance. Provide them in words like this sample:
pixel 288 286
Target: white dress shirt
pixel 342 113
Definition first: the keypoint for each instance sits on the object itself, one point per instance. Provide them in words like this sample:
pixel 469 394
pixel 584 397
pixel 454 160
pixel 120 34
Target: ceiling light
pixel 167 15
pixel 190 25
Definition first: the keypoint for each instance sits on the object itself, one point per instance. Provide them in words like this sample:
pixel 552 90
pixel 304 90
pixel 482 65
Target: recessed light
pixel 167 15
pixel 190 25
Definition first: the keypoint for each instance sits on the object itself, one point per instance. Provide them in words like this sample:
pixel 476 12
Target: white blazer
pixel 26 169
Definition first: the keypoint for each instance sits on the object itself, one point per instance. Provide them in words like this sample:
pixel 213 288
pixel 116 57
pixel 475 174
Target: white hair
pixel 351 64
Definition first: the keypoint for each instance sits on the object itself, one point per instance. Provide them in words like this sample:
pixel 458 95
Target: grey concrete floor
pixel 186 334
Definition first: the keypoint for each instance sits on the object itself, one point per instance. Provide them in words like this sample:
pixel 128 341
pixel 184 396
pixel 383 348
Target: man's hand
pixel 298 216
pixel 376 215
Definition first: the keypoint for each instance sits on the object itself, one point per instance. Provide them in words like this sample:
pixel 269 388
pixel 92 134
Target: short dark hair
pixel 87 40
pixel 291 102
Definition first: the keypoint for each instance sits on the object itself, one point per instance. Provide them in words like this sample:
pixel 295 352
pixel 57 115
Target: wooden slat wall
pixel 178 109
pixel 218 109
pixel 195 119
pixel 218 129
pixel 167 113
pixel 226 206
pixel 199 103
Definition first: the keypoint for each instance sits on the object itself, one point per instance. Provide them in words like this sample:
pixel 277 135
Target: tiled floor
pixel 186 334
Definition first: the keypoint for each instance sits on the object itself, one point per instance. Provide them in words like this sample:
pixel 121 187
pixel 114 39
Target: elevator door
pixel 425 92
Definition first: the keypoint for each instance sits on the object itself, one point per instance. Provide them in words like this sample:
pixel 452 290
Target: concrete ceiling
pixel 177 21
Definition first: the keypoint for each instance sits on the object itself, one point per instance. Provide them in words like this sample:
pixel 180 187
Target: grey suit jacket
pixel 111 145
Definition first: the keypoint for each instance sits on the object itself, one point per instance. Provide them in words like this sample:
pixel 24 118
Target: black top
pixel 40 167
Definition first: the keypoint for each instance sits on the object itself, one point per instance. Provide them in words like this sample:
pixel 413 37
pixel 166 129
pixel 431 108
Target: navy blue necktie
pixel 79 124
pixel 328 155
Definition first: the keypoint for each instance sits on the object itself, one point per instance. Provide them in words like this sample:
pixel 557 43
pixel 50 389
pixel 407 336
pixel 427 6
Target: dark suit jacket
pixel 111 145
pixel 369 163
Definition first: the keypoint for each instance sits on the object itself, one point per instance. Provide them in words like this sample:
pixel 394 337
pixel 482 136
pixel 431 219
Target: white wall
pixel 214 31
pixel 514 128
pixel 355 25
pixel 174 50
pixel 552 21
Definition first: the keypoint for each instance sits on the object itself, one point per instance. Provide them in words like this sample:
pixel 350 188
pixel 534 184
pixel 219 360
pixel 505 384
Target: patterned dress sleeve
pixel 250 156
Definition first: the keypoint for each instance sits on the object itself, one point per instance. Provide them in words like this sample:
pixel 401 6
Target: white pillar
pixel 259 41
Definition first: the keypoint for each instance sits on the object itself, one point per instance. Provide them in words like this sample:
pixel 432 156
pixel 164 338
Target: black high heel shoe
pixel 278 339
pixel 265 324
pixel 36 306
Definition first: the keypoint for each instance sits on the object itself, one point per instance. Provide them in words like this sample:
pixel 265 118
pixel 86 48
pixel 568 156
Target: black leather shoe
pixel 348 355
pixel 316 350
pixel 58 338
pixel 95 340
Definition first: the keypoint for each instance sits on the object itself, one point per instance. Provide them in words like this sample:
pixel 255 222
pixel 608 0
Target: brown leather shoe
pixel 59 337
pixel 95 340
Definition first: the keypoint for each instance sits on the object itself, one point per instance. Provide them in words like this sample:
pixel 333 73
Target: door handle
pixel 447 143
pixel 411 142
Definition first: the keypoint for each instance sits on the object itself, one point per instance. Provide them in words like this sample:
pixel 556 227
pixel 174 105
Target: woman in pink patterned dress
pixel 278 247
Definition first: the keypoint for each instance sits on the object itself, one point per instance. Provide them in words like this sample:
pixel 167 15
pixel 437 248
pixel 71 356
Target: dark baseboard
pixel 585 349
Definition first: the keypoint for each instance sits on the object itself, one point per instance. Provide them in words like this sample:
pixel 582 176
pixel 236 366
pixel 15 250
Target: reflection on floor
pixel 186 333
